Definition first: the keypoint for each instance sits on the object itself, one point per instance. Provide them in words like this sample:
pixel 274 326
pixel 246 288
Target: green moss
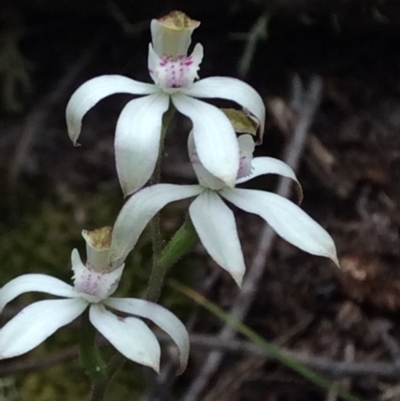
pixel 47 230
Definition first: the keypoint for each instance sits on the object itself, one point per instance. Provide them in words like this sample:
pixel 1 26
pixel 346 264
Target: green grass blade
pixel 273 350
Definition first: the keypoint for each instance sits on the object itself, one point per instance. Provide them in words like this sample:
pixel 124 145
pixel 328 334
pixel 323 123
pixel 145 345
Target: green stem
pixel 156 280
pixel 157 275
pixel 272 349
pixel 89 352
pixel 182 240
pixel 99 389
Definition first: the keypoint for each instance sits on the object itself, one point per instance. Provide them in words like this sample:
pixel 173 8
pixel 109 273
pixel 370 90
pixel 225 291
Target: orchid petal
pixel 286 218
pixel 215 224
pixel 34 283
pixel 139 210
pixel 162 317
pixel 230 89
pixel 215 139
pixel 137 140
pixel 93 285
pixel 269 165
pixel 130 336
pixel 170 74
pixel 35 323
pixel 96 89
pixel 205 178
pixel 246 146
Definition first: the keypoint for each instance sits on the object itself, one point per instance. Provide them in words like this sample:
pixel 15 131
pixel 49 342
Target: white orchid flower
pixel 214 221
pixel 93 285
pixel 137 137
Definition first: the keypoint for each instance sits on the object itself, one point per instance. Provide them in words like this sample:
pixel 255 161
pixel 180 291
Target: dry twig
pixel 332 368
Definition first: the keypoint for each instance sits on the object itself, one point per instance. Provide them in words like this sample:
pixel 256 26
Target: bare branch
pixel 332 368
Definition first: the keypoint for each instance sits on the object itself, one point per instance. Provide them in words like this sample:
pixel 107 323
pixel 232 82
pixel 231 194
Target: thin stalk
pixel 182 240
pixel 89 352
pixel 99 388
pixel 157 275
pixel 272 349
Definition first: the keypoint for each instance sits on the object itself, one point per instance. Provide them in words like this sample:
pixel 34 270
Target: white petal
pixel 137 140
pixel 153 60
pixel 205 178
pixel 162 317
pixel 214 137
pixel 196 58
pixel 35 323
pixel 130 336
pixel 287 219
pixel 171 74
pixel 269 165
pixel 231 89
pixel 215 224
pixel 93 285
pixel 139 210
pixel 92 91
pixel 34 283
pixel 246 146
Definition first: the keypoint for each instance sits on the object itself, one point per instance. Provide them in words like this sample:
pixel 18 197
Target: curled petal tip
pixel 74 137
pixel 335 260
pixel 156 368
pixel 181 369
pixel 238 280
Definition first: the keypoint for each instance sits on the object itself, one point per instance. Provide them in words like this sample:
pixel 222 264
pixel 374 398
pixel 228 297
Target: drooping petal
pixel 93 285
pixel 269 165
pixel 35 323
pixel 130 336
pixel 137 140
pixel 139 210
pixel 231 89
pixel 171 35
pixel 215 139
pixel 205 178
pixel 96 89
pixel 162 317
pixel 34 283
pixel 286 218
pixel 215 224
